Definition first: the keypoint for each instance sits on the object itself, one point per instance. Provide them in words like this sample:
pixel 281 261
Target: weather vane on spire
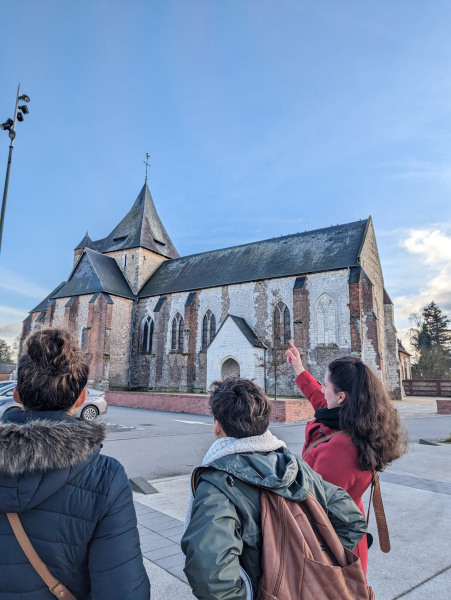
pixel 146 163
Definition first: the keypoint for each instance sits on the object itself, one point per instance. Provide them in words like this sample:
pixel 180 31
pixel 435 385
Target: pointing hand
pixel 294 358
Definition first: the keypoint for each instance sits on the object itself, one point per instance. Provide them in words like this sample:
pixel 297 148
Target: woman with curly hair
pixel 354 402
pixel 74 503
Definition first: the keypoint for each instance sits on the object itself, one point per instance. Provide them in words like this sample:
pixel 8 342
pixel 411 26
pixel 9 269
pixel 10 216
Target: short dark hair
pixel 240 406
pixel 52 372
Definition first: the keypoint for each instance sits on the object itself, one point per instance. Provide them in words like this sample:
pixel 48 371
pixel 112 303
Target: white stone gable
pixel 231 343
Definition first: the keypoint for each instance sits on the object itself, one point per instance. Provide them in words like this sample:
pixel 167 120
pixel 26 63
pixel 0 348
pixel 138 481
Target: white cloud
pixel 10 332
pixel 433 249
pixel 15 283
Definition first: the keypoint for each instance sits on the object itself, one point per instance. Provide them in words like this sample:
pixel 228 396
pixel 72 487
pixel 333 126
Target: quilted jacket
pixel 75 505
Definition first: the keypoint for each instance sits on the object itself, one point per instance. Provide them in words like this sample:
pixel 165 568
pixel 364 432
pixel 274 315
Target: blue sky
pixel 262 118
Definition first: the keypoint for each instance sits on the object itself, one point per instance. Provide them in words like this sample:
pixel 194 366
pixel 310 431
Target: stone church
pixel 152 320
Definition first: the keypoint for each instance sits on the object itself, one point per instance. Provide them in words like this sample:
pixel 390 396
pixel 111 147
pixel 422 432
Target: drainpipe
pixel 264 367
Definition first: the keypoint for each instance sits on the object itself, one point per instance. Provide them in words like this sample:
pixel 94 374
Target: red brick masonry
pixel 444 407
pixel 282 411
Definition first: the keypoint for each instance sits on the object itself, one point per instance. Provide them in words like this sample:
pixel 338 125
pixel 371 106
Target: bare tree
pixel 277 334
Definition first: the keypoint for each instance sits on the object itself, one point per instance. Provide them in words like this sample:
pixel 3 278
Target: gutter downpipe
pixel 264 370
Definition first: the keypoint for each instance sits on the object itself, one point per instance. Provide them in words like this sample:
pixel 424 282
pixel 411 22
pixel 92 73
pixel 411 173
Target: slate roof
pixel 141 227
pixel 86 242
pixel 7 368
pixel 315 251
pixel 247 331
pixel 43 305
pixel 93 273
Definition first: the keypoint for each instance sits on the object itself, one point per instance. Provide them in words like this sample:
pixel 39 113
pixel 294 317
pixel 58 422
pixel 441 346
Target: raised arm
pixel 308 385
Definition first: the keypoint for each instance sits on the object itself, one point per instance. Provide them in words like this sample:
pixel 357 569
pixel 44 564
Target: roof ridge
pixel 280 237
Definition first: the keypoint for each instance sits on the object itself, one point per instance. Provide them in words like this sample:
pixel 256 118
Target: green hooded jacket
pixel 224 532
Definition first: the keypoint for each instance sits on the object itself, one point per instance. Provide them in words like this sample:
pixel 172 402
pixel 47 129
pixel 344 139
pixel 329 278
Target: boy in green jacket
pixel 222 540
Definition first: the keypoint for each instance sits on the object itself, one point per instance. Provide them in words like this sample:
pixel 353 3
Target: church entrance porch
pixel 230 368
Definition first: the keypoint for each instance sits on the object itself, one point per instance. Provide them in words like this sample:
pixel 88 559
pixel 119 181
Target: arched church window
pixel 326 321
pixel 208 328
pixel 178 325
pixel 282 324
pixel 147 335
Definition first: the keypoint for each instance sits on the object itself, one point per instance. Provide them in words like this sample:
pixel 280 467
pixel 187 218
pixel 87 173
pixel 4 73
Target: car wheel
pixel 89 413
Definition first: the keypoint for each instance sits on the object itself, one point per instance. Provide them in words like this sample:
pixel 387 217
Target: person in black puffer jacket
pixel 75 504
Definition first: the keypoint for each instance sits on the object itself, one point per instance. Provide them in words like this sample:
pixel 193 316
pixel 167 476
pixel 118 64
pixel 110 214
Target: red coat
pixel 337 459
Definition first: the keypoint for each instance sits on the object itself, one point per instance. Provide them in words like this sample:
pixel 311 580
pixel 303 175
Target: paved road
pixel 156 444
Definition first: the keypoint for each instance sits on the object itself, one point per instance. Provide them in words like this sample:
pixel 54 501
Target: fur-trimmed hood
pixel 47 445
pixel 39 455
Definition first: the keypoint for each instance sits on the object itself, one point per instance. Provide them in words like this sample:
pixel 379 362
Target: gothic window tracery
pixel 282 324
pixel 326 321
pixel 208 328
pixel 147 335
pixel 178 325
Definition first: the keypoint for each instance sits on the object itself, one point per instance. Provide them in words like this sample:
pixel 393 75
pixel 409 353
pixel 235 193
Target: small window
pixel 178 326
pixel 83 340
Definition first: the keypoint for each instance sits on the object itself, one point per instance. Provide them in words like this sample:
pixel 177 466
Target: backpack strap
pixel 379 513
pixel 55 586
pixel 326 438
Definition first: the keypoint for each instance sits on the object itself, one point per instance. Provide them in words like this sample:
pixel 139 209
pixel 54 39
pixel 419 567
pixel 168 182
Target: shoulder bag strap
pixel 326 438
pixel 55 586
pixel 379 513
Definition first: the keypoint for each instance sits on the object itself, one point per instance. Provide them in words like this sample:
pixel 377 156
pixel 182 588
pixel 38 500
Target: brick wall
pixel 282 411
pixel 444 407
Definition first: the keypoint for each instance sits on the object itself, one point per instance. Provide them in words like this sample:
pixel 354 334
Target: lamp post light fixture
pixel 10 126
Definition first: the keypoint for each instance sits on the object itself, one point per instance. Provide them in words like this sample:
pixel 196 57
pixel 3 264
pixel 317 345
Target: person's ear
pixel 219 431
pixel 341 397
pixel 81 399
pixel 16 396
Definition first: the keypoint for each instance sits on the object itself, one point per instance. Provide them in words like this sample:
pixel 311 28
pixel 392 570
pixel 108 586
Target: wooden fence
pixel 427 387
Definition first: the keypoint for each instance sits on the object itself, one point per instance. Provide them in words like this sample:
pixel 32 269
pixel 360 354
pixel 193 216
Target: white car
pixel 95 402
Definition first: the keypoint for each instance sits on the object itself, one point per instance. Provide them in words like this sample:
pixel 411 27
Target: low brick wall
pixel 282 411
pixel 444 407
pixel 427 387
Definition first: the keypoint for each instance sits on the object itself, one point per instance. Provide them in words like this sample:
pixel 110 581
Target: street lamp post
pixel 10 126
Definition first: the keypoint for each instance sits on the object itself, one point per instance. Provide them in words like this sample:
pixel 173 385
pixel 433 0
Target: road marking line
pixel 192 422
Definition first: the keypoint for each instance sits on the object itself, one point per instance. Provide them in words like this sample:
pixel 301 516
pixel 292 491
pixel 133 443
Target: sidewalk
pixel 417 496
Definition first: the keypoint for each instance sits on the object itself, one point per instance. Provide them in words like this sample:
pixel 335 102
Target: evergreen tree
pixel 431 340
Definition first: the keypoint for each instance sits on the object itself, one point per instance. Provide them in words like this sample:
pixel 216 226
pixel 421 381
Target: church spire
pixel 140 228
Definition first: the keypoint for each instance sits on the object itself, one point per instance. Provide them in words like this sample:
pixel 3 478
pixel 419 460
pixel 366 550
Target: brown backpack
pixel 302 556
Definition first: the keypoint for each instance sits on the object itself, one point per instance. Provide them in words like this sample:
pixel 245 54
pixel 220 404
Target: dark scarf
pixel 330 417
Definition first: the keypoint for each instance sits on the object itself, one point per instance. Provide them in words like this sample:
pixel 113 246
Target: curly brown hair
pixel 367 415
pixel 240 406
pixel 52 372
